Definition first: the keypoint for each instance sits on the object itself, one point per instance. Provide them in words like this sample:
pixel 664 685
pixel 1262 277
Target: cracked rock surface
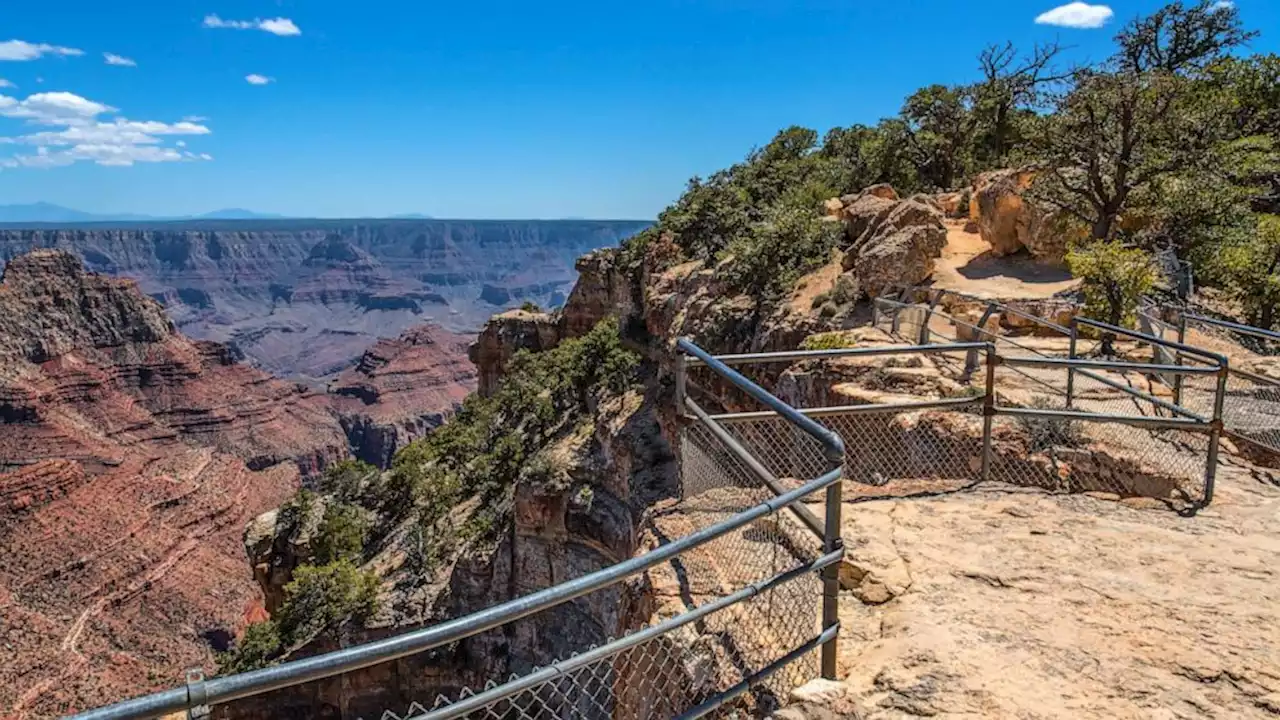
pixel 1016 604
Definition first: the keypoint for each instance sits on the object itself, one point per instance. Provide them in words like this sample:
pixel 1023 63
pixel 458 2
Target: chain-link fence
pixel 733 593
pixel 1250 401
pixel 1055 423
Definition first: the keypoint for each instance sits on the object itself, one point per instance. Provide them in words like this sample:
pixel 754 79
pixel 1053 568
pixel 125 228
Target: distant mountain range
pixel 43 212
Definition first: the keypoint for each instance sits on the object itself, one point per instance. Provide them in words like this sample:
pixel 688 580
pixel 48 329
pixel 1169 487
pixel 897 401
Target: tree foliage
pixel 1115 279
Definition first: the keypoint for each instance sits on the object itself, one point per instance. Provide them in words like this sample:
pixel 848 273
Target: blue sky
pixel 464 109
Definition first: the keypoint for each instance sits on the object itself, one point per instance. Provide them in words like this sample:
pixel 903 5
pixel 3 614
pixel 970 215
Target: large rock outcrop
pixel 892 242
pixel 130 460
pixel 579 512
pixel 1009 221
pixel 401 389
pixel 507 334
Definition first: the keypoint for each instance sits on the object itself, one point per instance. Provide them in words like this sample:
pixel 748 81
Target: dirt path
pixel 966 266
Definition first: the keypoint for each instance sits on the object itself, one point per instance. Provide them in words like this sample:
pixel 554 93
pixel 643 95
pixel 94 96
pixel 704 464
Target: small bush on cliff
pixel 320 596
pixel 346 480
pixel 482 450
pixel 342 534
pixel 256 649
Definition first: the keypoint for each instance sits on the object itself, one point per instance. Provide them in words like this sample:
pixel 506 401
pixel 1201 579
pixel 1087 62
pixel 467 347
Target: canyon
pixel 303 299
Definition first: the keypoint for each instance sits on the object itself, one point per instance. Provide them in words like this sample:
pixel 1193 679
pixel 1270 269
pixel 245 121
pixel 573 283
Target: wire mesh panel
pixel 1075 455
pixel 677 669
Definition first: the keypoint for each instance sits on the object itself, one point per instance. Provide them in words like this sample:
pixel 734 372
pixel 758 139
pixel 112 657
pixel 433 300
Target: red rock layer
pixel 130 460
pixel 400 389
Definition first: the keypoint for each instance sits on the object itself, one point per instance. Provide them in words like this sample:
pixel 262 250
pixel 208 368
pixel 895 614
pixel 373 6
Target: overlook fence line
pixel 751 481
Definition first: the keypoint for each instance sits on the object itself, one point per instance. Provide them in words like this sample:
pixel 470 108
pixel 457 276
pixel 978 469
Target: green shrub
pixel 346 480
pixel 259 645
pixel 342 534
pixel 530 306
pixel 827 341
pixel 321 596
pixel 1115 278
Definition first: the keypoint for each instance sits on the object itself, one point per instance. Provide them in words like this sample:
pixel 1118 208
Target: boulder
pixel 891 242
pixel 950 203
pixel 904 257
pixel 883 190
pixel 1009 221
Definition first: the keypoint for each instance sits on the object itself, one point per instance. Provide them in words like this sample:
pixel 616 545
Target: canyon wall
pixel 305 298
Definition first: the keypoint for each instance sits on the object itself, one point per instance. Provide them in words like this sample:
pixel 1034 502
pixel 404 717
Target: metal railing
pixel 1157 429
pixel 750 641
pixel 748 479
pixel 1250 401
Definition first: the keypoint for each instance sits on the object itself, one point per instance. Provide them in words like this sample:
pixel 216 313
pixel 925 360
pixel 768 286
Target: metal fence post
pixel 989 410
pixel 832 541
pixel 1182 340
pixel 1215 435
pixel 1071 370
pixel 682 380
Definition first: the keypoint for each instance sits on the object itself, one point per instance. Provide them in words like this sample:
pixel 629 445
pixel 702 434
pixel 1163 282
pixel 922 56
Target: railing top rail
pixel 797 355
pixel 234 687
pixel 1150 368
pixel 1243 329
pixel 831 441
pixel 1182 347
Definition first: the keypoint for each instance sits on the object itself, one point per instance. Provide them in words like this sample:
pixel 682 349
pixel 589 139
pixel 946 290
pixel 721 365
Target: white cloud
pixel 181 143
pixel 20 50
pixel 6 84
pixel 276 26
pixel 79 134
pixel 1221 5
pixel 1077 15
pixel 256 79
pixel 114 59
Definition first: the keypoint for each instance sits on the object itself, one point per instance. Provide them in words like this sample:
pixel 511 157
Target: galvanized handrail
pixel 833 450
pixel 257 682
pixel 1237 327
pixel 234 687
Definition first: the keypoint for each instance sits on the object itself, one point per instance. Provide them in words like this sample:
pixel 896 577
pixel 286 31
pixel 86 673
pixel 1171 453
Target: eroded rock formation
pixel 1010 221
pixel 401 389
pixel 304 299
pixel 130 460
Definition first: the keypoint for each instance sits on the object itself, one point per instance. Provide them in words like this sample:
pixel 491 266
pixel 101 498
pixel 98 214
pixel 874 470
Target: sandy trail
pixel 967 266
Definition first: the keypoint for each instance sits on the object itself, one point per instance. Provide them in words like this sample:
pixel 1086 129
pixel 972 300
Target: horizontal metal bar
pixel 1187 349
pixel 1149 368
pixel 1034 318
pixel 1138 420
pixel 1236 436
pixel 1171 407
pixel 1244 329
pixel 831 441
pixel 555 670
pixel 764 673
pixel 797 355
pixel 234 687
pixel 803 513
pixel 853 409
pixel 1254 377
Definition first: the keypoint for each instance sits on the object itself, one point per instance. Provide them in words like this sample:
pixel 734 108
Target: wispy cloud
pixel 79 134
pixel 256 79
pixel 6 84
pixel 20 50
pixel 114 59
pixel 276 26
pixel 1077 15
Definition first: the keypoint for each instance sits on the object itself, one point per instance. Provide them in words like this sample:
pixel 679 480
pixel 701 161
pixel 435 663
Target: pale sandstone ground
pixel 967 267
